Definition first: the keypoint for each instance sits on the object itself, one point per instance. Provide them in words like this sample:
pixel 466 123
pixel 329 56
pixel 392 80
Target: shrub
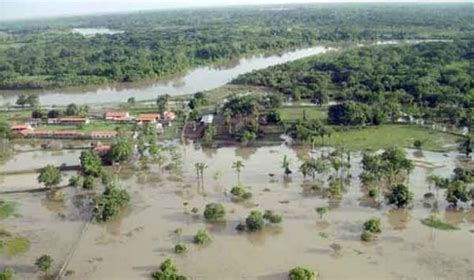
pixel 167 272
pixel 75 181
pixel 373 193
pixel 255 221
pixel 321 211
pixel 195 210
pixel 373 226
pixel 241 227
pixel 240 193
pixel 272 217
pixel 88 183
pixel 301 273
pixel 44 263
pixel 202 237
pixel 180 248
pixel 434 222
pixel 214 211
pixel 417 144
pixel 6 274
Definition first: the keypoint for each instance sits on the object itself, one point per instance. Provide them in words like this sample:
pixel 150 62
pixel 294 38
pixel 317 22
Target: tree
pixel 301 273
pixel 210 132
pixel 228 120
pixel 214 212
pixel 457 191
pixel 321 211
pixel 50 176
pixel 400 195
pixel 109 204
pixel 121 150
pixel 200 166
pixel 72 110
pixel 162 103
pixel 466 146
pixel 21 100
pixel 44 263
pixel 52 114
pixel 91 163
pixel 285 164
pixel 131 101
pixel 255 221
pixel 238 165
pixel 32 99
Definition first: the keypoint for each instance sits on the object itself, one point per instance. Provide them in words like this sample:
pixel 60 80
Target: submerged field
pixel 134 245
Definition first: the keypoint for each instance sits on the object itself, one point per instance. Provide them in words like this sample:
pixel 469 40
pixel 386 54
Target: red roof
pixel 20 127
pixel 148 117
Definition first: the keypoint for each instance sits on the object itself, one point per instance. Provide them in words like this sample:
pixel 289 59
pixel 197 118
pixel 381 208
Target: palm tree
pixel 228 120
pixel 238 165
pixel 285 164
pixel 200 166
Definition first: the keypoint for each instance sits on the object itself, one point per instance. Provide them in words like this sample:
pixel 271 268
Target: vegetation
pixel 434 222
pixel 202 237
pixel 6 274
pixel 50 176
pixel 180 248
pixel 214 212
pixel 167 271
pixel 91 163
pixel 7 209
pixel 272 217
pixel 301 273
pixel 15 246
pixel 373 226
pixel 240 193
pixel 400 196
pixel 140 52
pixel 321 211
pixel 109 204
pixel 121 150
pixel 257 221
pixel 44 263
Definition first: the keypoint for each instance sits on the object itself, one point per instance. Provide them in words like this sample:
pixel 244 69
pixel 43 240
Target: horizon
pixel 14 10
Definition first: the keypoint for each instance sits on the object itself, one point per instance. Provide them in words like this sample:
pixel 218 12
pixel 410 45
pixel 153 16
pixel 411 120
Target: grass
pixel 7 209
pixel 291 114
pixel 16 246
pixel 392 135
pixel 438 224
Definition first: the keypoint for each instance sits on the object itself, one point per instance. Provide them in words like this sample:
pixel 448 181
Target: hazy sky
pixel 20 9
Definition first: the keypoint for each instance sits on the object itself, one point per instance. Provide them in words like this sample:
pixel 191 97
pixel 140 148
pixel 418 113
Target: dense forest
pixel 45 53
pixel 432 80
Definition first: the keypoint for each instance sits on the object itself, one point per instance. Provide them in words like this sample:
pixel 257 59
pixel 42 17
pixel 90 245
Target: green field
pixel 291 114
pixel 380 137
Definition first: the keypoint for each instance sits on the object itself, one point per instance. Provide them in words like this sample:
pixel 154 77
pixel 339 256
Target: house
pixel 21 129
pixel 207 119
pixel 103 134
pixel 102 150
pixel 53 121
pixel 169 115
pixel 66 134
pixel 73 121
pixel 147 118
pixel 117 116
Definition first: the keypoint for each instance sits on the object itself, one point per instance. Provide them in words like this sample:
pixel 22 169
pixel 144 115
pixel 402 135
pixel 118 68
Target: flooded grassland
pixel 134 245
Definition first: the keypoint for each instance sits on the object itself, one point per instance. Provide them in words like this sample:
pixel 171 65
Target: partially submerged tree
pixel 44 263
pixel 50 176
pixel 214 212
pixel 400 196
pixel 167 271
pixel 91 163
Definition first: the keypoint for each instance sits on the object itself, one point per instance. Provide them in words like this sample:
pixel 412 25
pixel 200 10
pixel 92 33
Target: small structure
pixel 103 134
pixel 147 118
pixel 169 115
pixel 21 129
pixel 65 134
pixel 117 116
pixel 53 121
pixel 207 119
pixel 73 121
pixel 102 150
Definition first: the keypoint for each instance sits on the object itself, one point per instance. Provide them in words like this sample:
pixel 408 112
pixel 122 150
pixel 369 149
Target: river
pixel 198 79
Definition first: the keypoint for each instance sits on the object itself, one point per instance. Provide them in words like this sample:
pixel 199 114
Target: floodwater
pixel 199 79
pixel 135 244
pixel 95 31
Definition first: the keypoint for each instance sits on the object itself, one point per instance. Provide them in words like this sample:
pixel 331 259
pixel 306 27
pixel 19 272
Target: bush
pixel 241 227
pixel 417 144
pixel 301 273
pixel 180 248
pixel 240 193
pixel 202 237
pixel 167 272
pixel 88 183
pixel 373 226
pixel 321 211
pixel 75 181
pixel 434 222
pixel 214 211
pixel 255 221
pixel 6 274
pixel 272 217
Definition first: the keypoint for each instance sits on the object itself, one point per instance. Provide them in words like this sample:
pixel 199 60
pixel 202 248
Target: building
pixel 66 134
pixel 73 121
pixel 148 118
pixel 21 129
pixel 207 119
pixel 117 116
pixel 169 115
pixel 102 150
pixel 103 134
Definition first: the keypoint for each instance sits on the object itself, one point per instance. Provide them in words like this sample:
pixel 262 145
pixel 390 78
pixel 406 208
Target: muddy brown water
pixel 135 244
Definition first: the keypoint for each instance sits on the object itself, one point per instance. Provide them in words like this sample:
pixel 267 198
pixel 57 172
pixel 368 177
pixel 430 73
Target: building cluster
pixel 32 129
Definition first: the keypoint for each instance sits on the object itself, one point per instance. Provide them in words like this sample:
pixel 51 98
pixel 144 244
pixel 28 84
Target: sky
pixel 25 9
